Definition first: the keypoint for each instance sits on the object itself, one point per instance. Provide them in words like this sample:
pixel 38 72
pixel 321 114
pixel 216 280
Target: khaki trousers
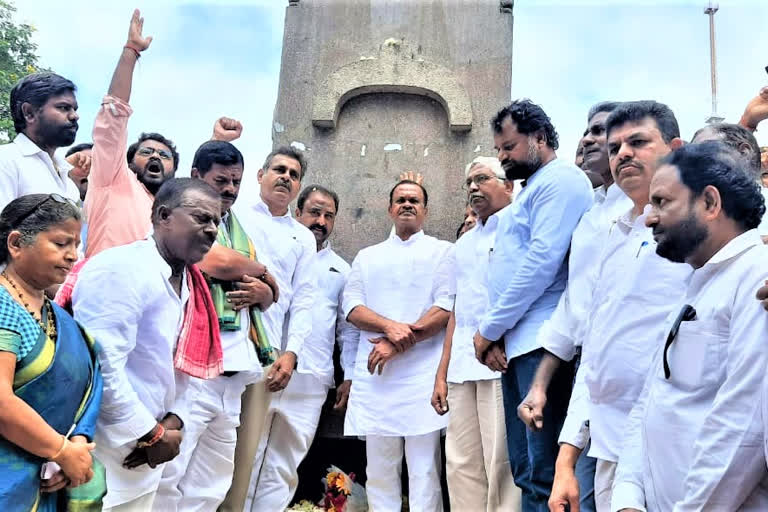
pixel 477 462
pixel 605 472
pixel 253 413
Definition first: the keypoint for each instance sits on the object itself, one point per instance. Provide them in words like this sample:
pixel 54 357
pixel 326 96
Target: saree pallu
pixel 61 381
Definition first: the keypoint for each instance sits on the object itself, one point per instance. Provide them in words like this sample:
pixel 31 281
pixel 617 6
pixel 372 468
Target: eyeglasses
pixel 147 151
pixel 55 197
pixel 478 179
pixel 687 314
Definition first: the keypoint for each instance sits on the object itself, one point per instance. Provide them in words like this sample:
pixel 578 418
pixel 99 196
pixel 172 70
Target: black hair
pixel 408 182
pixel 458 231
pixel 171 193
pixel 734 135
pixel 216 152
pixel 603 106
pixel 36 89
pixel 290 152
pixel 636 111
pixel 157 138
pixel 714 163
pixel 309 190
pixel 78 148
pixel 529 118
pixel 23 216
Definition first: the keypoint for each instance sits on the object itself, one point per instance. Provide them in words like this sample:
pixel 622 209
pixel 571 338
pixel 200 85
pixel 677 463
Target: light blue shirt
pixel 528 267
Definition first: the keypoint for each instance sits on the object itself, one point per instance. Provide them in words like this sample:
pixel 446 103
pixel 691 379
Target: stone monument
pixel 371 88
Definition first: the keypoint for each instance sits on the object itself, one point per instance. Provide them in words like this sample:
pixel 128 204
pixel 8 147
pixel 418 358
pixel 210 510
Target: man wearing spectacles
pixel 477 464
pixel 694 438
pixel 44 111
pixel 630 293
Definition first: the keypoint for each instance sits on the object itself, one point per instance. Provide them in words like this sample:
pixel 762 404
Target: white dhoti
pixel 199 477
pixel 384 470
pixel 288 433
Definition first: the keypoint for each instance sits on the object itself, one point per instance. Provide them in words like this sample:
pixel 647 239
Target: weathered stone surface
pixel 372 88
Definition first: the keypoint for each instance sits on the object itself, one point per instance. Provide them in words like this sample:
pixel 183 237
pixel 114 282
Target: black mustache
pixel 321 228
pixel 286 184
pixel 228 196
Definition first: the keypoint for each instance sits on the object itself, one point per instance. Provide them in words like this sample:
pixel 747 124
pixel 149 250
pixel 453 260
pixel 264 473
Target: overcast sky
pixel 212 58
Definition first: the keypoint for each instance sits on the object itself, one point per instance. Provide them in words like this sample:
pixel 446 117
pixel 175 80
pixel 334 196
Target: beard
pixel 58 135
pixel 515 170
pixel 682 239
pixel 153 184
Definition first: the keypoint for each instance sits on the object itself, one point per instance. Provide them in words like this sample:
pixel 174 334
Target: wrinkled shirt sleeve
pixel 348 337
pixel 575 430
pixel 444 284
pixel 110 141
pixel 559 204
pixel 300 309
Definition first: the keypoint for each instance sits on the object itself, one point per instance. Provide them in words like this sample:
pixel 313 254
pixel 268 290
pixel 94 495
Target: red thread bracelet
pixel 134 50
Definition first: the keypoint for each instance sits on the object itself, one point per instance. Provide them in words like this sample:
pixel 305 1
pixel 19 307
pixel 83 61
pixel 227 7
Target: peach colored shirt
pixel 118 207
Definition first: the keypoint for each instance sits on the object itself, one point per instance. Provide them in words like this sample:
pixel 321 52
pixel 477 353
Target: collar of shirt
pixel 731 250
pixel 491 222
pixel 413 238
pixel 264 208
pixel 29 148
pixel 626 223
pixel 325 249
pixel 541 171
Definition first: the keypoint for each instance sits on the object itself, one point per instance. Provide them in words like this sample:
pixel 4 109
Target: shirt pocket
pixel 696 354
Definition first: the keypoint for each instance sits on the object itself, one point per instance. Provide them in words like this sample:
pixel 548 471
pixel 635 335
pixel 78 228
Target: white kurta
pixel 400 280
pixel 632 295
pixel 136 320
pixel 694 441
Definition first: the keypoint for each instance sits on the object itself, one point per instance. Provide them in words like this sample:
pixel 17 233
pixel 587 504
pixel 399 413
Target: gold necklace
pixel 26 304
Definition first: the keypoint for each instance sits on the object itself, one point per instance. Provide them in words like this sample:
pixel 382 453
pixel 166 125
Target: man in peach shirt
pixel 123 181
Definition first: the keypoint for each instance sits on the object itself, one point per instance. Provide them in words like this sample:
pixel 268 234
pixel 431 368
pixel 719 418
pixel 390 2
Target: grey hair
pixel 490 162
pixel 49 213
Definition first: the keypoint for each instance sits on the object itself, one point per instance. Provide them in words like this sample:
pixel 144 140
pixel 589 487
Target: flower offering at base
pixel 342 493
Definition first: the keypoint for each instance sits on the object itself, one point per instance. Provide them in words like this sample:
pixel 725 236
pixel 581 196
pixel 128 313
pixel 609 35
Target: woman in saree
pixel 50 384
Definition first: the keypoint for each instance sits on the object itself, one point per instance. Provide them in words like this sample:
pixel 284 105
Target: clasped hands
pixel 165 449
pixel 398 337
pixel 490 353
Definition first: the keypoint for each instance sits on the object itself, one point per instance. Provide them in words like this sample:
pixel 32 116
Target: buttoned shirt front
pixel 694 440
pixel 470 255
pixel 136 320
pixel 564 331
pixel 288 249
pixel 528 269
pixel 400 280
pixel 632 294
pixel 328 321
pixel 27 169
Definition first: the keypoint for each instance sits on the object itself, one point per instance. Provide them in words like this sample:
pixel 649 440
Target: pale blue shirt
pixel 528 268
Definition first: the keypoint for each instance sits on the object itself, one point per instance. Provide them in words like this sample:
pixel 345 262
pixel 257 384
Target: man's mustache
pixel 319 227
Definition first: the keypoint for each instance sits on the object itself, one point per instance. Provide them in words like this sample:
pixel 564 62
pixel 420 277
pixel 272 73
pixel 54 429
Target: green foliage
pixel 17 58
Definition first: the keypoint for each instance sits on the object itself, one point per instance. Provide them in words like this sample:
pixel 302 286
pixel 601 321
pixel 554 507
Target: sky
pixel 212 58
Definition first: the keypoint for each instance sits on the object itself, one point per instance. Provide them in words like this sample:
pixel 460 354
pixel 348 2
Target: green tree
pixel 17 58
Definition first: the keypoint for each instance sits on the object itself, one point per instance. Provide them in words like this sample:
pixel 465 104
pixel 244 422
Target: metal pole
pixel 710 11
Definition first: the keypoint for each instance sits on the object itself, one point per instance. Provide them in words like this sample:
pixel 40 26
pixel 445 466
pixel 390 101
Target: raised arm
pixel 122 78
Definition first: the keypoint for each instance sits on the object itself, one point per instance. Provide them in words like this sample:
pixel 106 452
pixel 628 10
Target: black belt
pixel 229 374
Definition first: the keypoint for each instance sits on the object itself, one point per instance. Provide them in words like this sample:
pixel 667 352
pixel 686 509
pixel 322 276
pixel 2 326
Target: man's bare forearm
pixel 544 373
pixel 367 320
pixel 227 264
pixel 432 322
pixel 122 78
pixel 445 358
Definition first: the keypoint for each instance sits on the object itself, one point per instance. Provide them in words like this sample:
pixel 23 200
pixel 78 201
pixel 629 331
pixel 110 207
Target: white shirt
pixel 694 441
pixel 136 320
pixel 287 248
pixel 633 293
pixel 564 331
pixel 400 280
pixel 238 349
pixel 328 320
pixel 27 169
pixel 470 256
